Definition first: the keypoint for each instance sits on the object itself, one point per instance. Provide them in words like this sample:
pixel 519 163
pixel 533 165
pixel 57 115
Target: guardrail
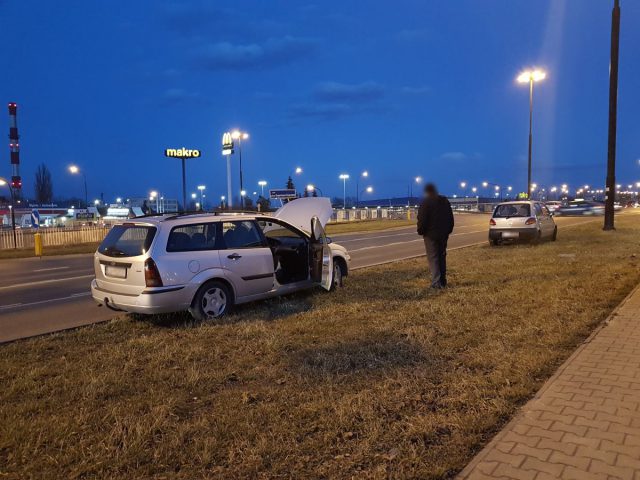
pixel 53 236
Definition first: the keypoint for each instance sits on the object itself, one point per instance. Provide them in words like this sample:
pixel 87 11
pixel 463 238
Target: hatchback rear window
pixel 512 210
pixel 127 241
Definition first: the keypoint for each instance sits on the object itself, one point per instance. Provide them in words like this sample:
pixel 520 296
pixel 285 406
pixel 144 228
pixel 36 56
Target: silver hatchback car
pixel 206 263
pixel 523 220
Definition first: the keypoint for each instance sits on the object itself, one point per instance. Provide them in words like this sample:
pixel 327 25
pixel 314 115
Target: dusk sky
pixel 400 89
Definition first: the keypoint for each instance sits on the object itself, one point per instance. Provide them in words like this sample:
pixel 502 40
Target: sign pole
pixel 184 187
pixel 229 197
pixel 613 114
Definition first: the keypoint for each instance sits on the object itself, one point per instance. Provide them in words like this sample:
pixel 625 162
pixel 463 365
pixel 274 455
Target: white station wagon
pixel 206 263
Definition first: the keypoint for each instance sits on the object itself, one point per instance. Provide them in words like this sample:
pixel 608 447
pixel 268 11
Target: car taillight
pixel 151 274
pixel 492 222
pixel 530 221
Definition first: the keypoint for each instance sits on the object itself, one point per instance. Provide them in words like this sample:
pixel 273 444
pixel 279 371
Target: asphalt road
pixel 50 294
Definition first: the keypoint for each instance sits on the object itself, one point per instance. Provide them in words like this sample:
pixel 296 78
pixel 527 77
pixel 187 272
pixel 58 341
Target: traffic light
pixel 16 183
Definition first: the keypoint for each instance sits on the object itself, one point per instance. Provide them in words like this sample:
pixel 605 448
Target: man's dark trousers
pixel 437 259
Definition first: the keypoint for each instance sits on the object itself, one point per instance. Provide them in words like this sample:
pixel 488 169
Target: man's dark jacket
pixel 435 218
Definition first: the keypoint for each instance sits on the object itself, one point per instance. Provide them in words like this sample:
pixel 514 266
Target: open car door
pixel 321 262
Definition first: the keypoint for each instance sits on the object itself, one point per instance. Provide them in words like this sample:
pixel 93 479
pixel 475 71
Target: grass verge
pixel 366 226
pixel 378 380
pixel 50 251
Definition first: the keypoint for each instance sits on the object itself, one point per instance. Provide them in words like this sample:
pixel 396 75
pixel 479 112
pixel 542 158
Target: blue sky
pixel 400 89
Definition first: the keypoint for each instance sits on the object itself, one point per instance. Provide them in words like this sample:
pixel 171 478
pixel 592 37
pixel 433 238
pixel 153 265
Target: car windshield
pixel 127 241
pixel 512 210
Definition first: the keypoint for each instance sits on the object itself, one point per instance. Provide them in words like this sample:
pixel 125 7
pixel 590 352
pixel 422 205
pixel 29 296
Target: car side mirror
pixel 329 240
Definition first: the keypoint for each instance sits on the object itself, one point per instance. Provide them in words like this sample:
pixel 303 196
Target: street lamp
pixel 3 182
pixel 262 184
pixel 531 76
pixel 239 136
pixel 344 177
pixel 222 198
pixel 312 188
pixel 364 174
pixel 202 189
pixel 243 193
pixel 417 180
pixel 75 170
pixel 154 196
pixel 463 186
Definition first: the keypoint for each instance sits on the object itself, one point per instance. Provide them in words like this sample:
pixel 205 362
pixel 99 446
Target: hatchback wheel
pixel 337 280
pixel 213 300
pixel 555 234
pixel 536 240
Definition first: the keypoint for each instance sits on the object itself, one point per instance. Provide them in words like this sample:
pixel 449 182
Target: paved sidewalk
pixel 585 422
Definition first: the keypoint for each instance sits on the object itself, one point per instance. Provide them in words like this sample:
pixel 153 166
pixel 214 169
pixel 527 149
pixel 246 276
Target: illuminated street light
pixel 530 76
pixel 364 174
pixel 344 177
pixel 74 170
pixel 202 188
pixel 118 200
pixel 262 184
pixel 298 170
pixel 239 137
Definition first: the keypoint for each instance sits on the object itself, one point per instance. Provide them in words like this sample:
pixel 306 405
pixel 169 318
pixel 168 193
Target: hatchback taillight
pixel 492 222
pixel 151 274
pixel 530 221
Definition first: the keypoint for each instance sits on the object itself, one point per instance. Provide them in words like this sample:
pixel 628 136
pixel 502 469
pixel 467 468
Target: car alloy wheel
pixel 337 281
pixel 213 300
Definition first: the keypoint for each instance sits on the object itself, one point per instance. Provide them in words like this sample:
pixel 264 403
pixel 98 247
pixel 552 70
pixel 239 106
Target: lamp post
pixel 74 169
pixel 613 117
pixel 496 187
pixel 12 207
pixel 313 188
pixel 239 136
pixel 154 196
pixel 262 184
pixel 344 177
pixel 417 180
pixel 369 189
pixel 202 189
pixel 364 174
pixel 530 76
pixel 243 193
pixel 463 186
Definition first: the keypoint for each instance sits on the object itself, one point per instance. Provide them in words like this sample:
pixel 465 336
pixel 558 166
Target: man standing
pixel 435 224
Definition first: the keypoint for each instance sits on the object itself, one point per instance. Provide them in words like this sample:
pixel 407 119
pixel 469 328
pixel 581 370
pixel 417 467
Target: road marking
pixel 414 256
pixel 45 282
pixel 410 241
pixel 50 269
pixel 412 232
pixel 41 302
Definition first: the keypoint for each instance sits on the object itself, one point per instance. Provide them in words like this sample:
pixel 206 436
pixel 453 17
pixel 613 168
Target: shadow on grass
pixel 374 353
pixel 261 310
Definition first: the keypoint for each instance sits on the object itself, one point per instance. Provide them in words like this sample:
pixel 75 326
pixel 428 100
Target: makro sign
pixel 181 153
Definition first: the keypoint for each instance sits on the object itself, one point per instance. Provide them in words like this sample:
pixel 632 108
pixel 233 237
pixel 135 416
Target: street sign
pixel 35 218
pixel 283 193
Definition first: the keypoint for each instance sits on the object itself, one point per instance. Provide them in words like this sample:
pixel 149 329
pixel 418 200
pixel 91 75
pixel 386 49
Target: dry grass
pixel 366 226
pixel 378 380
pixel 50 251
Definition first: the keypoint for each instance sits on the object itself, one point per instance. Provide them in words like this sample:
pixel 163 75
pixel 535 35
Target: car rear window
pixel 127 241
pixel 512 210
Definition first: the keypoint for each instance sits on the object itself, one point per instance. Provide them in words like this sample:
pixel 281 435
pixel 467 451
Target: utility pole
pixel 613 115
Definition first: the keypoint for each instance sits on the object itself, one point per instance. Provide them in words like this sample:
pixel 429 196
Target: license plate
pixel 114 271
pixel 510 234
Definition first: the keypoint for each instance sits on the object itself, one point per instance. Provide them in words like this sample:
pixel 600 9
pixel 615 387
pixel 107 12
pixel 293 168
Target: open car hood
pixel 298 212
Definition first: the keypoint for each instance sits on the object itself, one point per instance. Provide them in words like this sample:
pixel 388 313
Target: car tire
pixel 213 300
pixel 536 240
pixel 337 278
pixel 554 237
pixel 494 242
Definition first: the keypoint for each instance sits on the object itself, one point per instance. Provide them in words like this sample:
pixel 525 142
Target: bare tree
pixel 43 185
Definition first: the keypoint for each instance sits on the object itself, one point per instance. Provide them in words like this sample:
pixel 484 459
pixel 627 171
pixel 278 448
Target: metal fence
pixel 53 236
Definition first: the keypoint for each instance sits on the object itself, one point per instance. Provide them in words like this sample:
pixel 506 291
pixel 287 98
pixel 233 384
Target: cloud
pixel 416 90
pixel 342 92
pixel 460 156
pixel 273 52
pixel 173 96
pixel 412 35
pixel 333 100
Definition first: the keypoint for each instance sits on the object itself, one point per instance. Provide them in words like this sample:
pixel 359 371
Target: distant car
pixel 523 220
pixel 581 207
pixel 553 205
pixel 206 263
